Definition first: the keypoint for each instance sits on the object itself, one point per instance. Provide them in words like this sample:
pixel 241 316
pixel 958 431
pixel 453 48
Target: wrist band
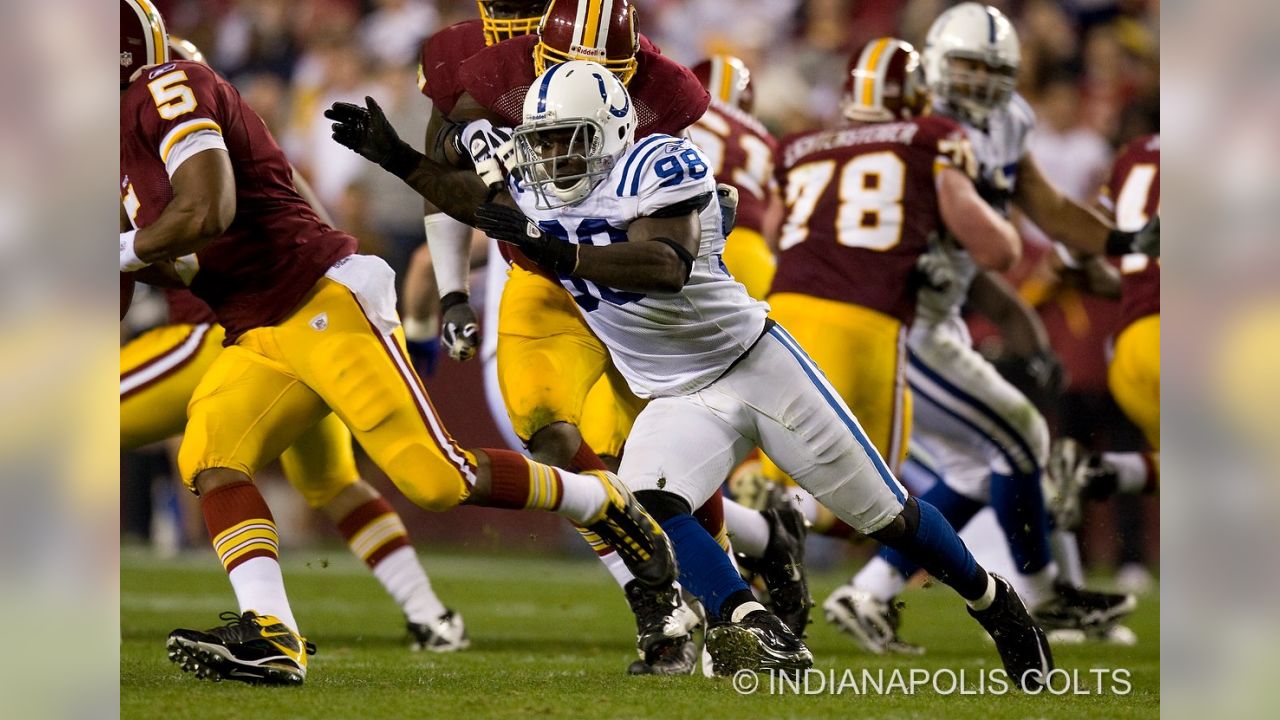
pixel 129 260
pixel 451 299
pixel 1119 242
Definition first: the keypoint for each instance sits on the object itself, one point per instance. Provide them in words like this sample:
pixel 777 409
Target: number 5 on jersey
pixel 172 96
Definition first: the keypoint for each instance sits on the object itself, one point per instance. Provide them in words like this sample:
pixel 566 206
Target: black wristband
pixel 402 160
pixel 681 252
pixel 1119 242
pixel 457 297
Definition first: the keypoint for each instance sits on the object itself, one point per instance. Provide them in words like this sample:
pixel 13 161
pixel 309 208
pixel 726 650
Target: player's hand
pixel 1147 241
pixel 727 197
pixel 936 269
pixel 1040 377
pixel 491 150
pixel 366 131
pixel 459 330
pixel 505 223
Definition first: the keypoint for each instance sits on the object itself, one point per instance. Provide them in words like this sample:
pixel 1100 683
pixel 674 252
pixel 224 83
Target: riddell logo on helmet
pixel 126 59
pixel 586 51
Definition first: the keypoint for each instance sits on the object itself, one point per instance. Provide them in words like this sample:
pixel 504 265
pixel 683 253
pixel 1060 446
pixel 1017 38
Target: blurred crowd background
pixel 1090 68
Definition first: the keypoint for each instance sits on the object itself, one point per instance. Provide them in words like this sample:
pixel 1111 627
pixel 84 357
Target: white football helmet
pixel 578 119
pixel 982 36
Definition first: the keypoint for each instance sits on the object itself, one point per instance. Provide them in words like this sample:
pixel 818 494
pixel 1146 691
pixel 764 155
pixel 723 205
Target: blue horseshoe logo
pixel 604 95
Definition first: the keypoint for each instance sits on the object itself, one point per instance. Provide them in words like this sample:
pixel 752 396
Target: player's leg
pixel 1134 380
pixel 814 437
pixel 159 370
pixel 321 465
pixel 679 452
pixel 244 413
pixel 345 343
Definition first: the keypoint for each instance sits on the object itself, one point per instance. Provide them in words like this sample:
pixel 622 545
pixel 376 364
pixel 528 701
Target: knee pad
pixel 663 505
pixel 425 477
pixel 356 379
pixel 904 525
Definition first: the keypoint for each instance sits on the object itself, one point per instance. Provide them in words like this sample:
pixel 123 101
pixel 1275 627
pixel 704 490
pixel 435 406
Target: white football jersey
pixel 663 344
pixel 998 149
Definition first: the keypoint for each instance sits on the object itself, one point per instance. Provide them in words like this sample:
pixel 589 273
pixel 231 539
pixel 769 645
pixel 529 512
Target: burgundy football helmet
pixel 607 35
pixel 505 19
pixel 727 79
pixel 885 82
pixel 143 40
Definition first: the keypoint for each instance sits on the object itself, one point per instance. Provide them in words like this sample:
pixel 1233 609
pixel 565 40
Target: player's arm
pixel 1074 225
pixel 657 257
pixel 455 191
pixel 202 208
pixel 990 240
pixel 1030 362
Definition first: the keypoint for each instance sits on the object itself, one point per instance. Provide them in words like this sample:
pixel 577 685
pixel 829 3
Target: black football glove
pixel 459 330
pixel 369 134
pixel 1145 241
pixel 1040 377
pixel 505 223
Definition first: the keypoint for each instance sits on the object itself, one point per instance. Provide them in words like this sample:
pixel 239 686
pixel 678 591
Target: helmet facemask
pixel 561 161
pixel 974 86
pixel 506 19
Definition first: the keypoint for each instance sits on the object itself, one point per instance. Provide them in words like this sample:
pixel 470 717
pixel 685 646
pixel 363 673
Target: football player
pixel 1132 196
pixel 159 371
pixel 555 375
pixel 565 391
pixel 994 440
pixel 311 330
pixel 633 231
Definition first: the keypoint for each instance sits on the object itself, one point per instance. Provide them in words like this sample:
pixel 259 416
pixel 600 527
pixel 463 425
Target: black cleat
pixel 782 567
pixel 1022 644
pixel 252 648
pixel 1075 608
pixel 624 525
pixel 664 627
pixel 759 642
pixel 446 633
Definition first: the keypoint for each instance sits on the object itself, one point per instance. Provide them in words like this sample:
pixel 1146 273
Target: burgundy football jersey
pixel 187 309
pixel 442 54
pixel 276 249
pixel 1133 193
pixel 741 151
pixel 862 204
pixel 667 95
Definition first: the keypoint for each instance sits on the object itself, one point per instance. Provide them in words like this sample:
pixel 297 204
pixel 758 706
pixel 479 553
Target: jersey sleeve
pixel 185 113
pixel 664 171
pixel 948 144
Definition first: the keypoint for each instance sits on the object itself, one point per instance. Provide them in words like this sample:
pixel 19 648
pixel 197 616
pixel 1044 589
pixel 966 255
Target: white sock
pixel 880 579
pixel 805 500
pixel 1066 553
pixel 987 598
pixel 744 610
pixel 583 497
pixel 405 580
pixel 259 587
pixel 1131 471
pixel 618 569
pixel 747 528
pixel 1038 586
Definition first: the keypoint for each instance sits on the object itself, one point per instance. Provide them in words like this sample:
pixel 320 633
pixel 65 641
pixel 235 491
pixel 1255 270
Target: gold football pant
pixel 159 371
pixel 750 261
pixel 1134 376
pixel 552 368
pixel 261 393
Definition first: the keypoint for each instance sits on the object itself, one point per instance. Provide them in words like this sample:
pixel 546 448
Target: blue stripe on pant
pixel 819 381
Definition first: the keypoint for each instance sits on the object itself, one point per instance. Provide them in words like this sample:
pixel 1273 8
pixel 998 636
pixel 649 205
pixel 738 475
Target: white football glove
pixel 490 149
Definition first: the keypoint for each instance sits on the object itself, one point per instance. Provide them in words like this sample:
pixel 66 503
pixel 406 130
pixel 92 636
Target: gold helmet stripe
pixel 869 65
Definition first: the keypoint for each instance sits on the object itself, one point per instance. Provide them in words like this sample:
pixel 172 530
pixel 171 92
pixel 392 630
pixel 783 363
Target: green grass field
pixel 551 639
